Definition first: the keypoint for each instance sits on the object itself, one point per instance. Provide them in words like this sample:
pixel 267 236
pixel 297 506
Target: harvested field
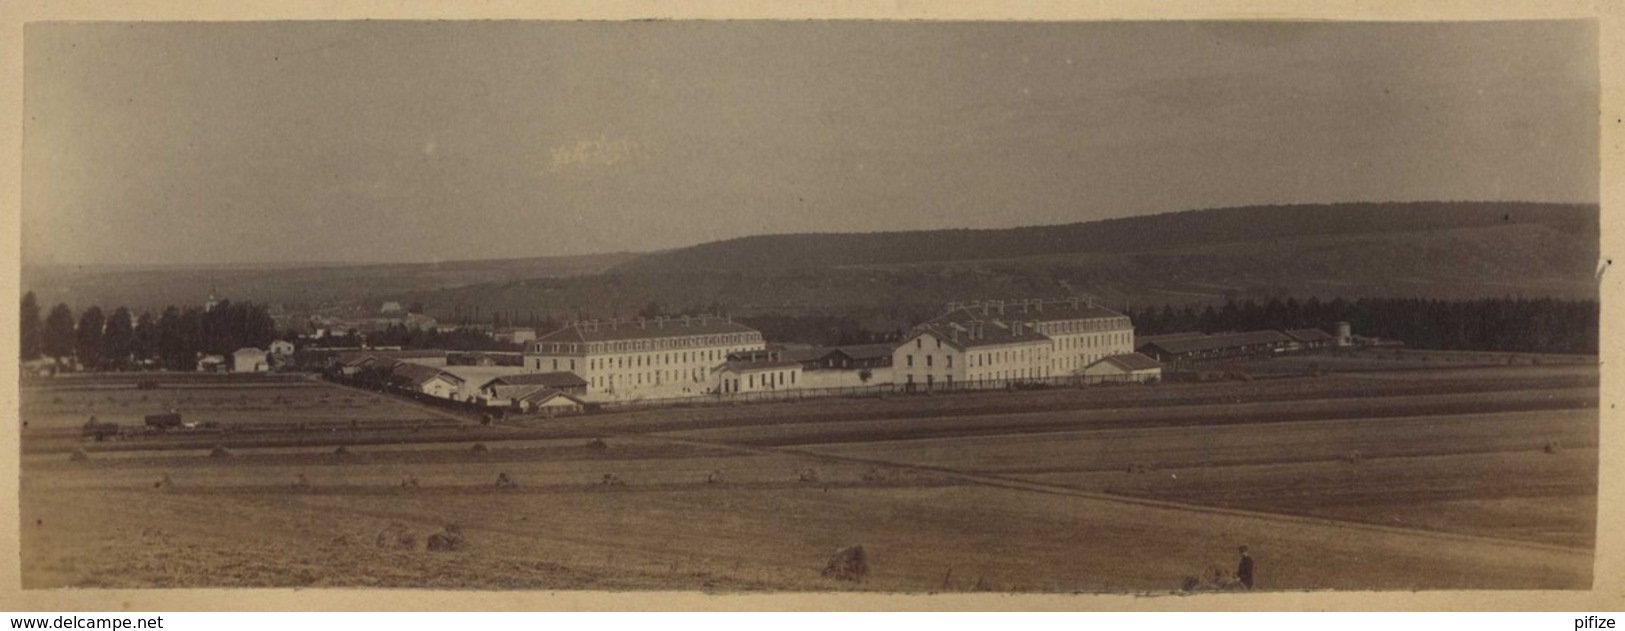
pixel 703 415
pixel 1342 482
pixel 1180 416
pixel 45 408
pixel 702 538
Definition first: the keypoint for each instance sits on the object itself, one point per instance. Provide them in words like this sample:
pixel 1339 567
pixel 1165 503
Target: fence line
pixel 786 394
pixel 796 394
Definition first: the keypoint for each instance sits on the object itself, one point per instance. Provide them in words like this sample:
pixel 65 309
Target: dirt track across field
pixel 1337 483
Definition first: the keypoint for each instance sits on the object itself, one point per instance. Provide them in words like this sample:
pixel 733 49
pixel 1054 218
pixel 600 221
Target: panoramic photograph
pixel 1133 307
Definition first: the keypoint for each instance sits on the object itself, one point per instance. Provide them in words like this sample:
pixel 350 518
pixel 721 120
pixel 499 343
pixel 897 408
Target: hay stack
pixel 1552 447
pixel 300 483
pixel 597 444
pixel 808 474
pixel 479 448
pixel 1215 579
pixel 342 451
pixel 714 477
pixel 849 564
pixel 611 480
pixel 163 483
pixel 1354 457
pixel 220 451
pixel 409 482
pixel 505 481
pixel 448 540
pixel 79 455
pixel 398 536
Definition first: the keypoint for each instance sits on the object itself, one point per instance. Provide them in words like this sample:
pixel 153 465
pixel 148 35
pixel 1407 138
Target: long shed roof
pixel 1220 341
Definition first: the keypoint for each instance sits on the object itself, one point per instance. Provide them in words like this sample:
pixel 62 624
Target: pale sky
pixel 182 143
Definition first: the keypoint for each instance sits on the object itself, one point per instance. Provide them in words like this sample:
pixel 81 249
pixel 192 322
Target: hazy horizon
pixel 362 143
pixel 341 263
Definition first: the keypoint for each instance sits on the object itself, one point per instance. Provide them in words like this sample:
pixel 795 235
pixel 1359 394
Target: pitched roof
pixel 418 374
pixel 517 392
pixel 558 379
pixel 1147 339
pixel 971 333
pixel 815 353
pixel 497 357
pixel 248 349
pixel 645 329
pixel 1223 340
pixel 1130 362
pixel 547 394
pixel 1310 335
pixel 348 356
pixel 356 360
pixel 867 351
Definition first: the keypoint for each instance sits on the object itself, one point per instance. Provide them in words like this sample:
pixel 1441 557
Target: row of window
pixel 1079 326
pixel 1094 340
pixel 663 343
pixel 710 356
pixel 772 380
pixel 653 378
pixel 981 359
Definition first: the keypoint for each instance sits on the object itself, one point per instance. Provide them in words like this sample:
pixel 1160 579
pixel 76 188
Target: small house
pixel 212 363
pixel 250 360
pixel 1130 367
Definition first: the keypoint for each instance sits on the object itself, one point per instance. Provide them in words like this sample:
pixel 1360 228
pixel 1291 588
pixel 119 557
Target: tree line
pixel 121 340
pixel 1528 325
pixel 458 339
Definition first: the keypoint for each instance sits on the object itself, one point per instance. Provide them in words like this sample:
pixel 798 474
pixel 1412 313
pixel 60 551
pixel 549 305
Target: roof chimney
pixel 1015 328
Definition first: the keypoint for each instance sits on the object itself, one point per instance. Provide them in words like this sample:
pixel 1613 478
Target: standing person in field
pixel 1244 571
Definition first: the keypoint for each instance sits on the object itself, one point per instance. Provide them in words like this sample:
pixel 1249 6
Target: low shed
pixel 1126 367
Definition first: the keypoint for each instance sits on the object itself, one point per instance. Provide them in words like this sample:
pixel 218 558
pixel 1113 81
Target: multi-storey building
pixel 959 347
pixel 1014 341
pixel 645 357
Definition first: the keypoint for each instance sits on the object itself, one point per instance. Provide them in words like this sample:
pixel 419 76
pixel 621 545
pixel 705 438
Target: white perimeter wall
pixel 843 378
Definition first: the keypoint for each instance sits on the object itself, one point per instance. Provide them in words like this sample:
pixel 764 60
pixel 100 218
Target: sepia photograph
pixel 1176 308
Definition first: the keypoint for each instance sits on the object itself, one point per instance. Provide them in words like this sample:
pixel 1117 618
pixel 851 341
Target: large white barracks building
pixel 643 357
pixel 1010 341
pixel 971 345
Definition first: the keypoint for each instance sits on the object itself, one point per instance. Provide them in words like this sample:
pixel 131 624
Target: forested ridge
pixel 1127 235
pixel 1540 325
